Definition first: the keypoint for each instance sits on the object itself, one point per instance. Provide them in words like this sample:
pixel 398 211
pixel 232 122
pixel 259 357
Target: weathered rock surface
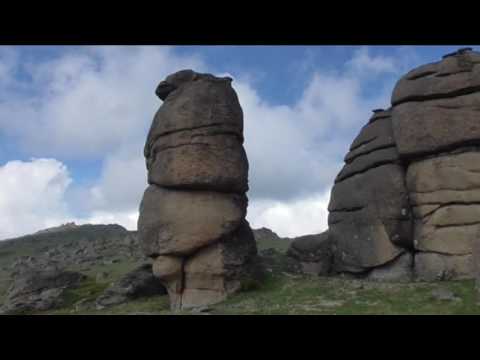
pixel 192 216
pixel 411 179
pixel 174 222
pixel 136 284
pixel 431 266
pixel 195 141
pixel 39 290
pixel 399 269
pixel 369 219
pixel 200 160
pixel 452 76
pixel 314 252
pixel 427 127
pixel 369 213
pixel 197 100
pixel 221 269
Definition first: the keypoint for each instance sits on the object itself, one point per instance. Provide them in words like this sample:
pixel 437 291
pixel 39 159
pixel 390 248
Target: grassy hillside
pixel 281 293
pixel 290 295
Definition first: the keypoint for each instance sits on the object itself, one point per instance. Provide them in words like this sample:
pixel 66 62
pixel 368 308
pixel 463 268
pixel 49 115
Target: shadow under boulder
pixel 136 284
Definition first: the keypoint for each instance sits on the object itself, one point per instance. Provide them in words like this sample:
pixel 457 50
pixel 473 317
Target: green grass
pixel 90 290
pixel 311 295
pixel 304 295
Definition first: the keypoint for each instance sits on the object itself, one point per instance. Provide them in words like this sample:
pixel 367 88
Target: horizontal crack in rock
pixel 446 95
pixel 382 147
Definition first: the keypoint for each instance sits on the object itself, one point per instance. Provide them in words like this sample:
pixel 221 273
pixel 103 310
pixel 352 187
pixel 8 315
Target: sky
pixel 74 119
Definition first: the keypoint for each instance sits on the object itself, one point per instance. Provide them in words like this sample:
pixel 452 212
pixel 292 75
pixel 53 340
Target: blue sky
pixel 73 121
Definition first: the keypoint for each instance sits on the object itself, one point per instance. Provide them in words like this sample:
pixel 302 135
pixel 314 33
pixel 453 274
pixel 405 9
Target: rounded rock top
pixel 456 73
pixel 182 77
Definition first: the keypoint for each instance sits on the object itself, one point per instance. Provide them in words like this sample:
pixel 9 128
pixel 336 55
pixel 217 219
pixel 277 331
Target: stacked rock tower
pixel 409 193
pixel 192 215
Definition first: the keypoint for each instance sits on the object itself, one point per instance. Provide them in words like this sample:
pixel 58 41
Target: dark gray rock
pixel 428 127
pixel 314 252
pixel 443 294
pixel 367 161
pixel 451 76
pixel 369 219
pixel 373 136
pixel 136 284
pixel 40 291
pixel 379 114
pixel 398 270
pixel 195 140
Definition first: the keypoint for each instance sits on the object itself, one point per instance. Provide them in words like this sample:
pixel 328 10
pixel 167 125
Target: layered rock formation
pixel 411 182
pixel 369 213
pixel 192 215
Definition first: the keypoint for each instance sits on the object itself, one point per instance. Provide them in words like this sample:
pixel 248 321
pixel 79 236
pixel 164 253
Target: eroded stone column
pixel 192 215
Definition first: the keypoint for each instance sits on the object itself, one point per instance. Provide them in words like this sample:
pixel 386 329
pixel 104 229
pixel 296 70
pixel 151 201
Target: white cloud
pixel 125 218
pixel 290 219
pixel 364 64
pixel 122 182
pixel 92 100
pixel 32 196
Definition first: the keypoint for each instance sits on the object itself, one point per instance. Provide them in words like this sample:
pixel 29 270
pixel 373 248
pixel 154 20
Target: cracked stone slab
pixel 376 135
pixel 445 78
pixel 174 222
pixel 431 266
pixel 427 127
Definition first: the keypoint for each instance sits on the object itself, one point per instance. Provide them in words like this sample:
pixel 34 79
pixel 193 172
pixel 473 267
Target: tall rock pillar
pixel 192 215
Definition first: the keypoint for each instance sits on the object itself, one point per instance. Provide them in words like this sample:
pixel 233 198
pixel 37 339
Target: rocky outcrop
pixel 369 212
pixel 399 269
pixel 313 252
pixel 410 184
pixel 133 285
pixel 39 291
pixel 82 246
pixel 192 215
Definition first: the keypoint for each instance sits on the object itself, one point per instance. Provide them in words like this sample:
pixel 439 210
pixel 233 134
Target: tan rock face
pixel 435 267
pixel 205 102
pixel 220 269
pixel 174 222
pixel 369 212
pixel 450 184
pixel 411 181
pixel 445 78
pixel 426 127
pixel 192 216
pixel 458 172
pixel 203 162
pixel 169 269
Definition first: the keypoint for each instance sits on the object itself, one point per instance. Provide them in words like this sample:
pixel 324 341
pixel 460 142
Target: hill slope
pixel 106 252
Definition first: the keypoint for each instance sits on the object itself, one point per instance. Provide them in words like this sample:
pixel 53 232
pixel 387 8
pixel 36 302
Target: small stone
pixel 443 294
